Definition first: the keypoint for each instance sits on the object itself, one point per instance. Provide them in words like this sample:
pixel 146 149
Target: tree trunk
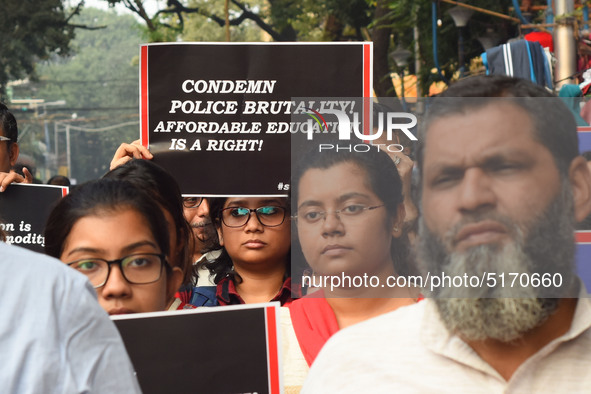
pixel 382 83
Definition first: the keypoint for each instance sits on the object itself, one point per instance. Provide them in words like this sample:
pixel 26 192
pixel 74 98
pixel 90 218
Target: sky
pixel 150 5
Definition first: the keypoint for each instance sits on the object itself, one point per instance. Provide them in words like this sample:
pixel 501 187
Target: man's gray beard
pixel 477 313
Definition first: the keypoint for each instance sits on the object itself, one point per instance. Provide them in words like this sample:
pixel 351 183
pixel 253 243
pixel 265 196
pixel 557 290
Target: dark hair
pixel 384 181
pixel 8 124
pixel 554 125
pixel 59 180
pixel 223 266
pixel 155 180
pixel 98 198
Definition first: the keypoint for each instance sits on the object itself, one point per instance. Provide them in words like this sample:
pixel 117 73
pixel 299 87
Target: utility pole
pixel 564 42
pixel 415 33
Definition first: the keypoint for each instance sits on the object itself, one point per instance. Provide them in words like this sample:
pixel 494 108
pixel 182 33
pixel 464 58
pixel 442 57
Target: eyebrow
pixel 260 202
pixel 309 203
pixel 488 161
pixel 273 201
pixel 348 196
pixel 85 250
pixel 127 249
pixel 339 200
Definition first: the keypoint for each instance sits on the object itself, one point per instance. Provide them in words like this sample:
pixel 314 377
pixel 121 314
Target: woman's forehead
pixel 336 184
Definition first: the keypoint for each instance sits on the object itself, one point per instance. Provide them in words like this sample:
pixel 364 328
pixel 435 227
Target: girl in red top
pixel 349 212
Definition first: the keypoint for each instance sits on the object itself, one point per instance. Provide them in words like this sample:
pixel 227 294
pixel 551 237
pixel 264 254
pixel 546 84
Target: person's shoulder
pixel 19 265
pixel 61 324
pixel 380 349
pixel 404 319
pixel 12 254
pixel 391 329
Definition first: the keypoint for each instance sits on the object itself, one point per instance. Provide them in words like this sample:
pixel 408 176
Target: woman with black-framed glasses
pixel 255 237
pixel 117 236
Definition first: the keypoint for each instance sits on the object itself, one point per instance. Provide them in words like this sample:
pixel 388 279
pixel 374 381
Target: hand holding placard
pixel 24 209
pixel 6 178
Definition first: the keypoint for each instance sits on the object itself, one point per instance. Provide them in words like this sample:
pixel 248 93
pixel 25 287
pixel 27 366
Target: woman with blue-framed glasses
pixel 254 235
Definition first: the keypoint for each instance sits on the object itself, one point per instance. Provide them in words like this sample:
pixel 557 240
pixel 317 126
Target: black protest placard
pixel 24 209
pixel 230 349
pixel 217 116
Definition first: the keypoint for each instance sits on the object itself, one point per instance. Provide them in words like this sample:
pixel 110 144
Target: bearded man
pixel 501 188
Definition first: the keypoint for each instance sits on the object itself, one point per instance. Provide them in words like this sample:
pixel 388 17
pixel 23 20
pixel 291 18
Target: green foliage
pixel 101 72
pixel 283 20
pixel 200 28
pixel 333 20
pixel 99 83
pixel 160 33
pixel 356 13
pixel 30 30
pixel 404 13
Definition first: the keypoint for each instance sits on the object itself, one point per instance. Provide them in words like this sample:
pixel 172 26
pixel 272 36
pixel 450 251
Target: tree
pixel 170 20
pixel 31 30
pixel 388 23
pixel 282 20
pixel 99 84
pixel 404 14
pixel 198 28
pixel 102 70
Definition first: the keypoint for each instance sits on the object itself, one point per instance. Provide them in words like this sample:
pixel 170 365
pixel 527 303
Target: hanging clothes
pixel 521 59
pixel 571 95
pixel 545 39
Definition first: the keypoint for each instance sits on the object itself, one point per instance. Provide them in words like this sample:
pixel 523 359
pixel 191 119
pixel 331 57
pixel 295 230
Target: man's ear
pixel 398 221
pixel 13 153
pixel 580 180
pixel 174 280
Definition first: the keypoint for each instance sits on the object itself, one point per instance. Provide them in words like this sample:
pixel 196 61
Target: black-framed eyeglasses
pixel 269 215
pixel 137 269
pixel 192 202
pixel 313 215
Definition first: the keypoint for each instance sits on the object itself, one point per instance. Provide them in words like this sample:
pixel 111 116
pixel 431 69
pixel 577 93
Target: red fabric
pixel 227 294
pixel 314 323
pixel 184 305
pixel 545 39
pixel 184 294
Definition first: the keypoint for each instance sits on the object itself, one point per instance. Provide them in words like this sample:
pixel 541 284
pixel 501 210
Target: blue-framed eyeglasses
pixel 269 216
